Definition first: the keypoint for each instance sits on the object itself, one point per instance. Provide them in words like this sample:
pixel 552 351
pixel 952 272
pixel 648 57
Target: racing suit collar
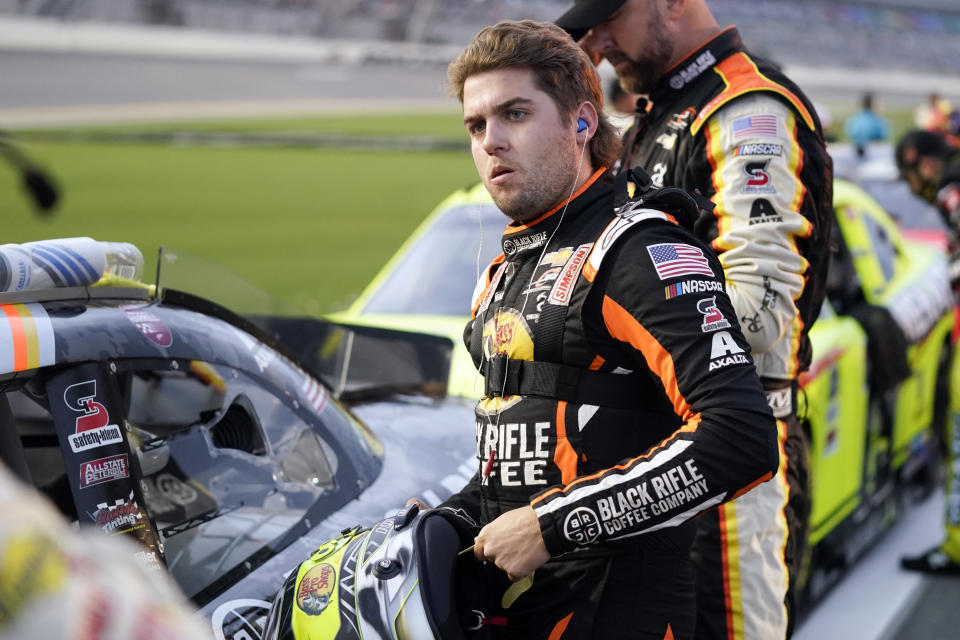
pixel 518 239
pixel 677 78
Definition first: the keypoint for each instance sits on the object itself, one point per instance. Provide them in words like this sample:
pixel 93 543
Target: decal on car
pixel 149 325
pixel 120 517
pixel 92 426
pixel 241 619
pixel 104 470
pixel 26 337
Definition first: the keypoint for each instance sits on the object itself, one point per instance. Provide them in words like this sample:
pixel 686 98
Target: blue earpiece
pixel 582 125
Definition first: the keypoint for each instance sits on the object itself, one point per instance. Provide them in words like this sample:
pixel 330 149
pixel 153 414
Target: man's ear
pixel 674 9
pixel 588 113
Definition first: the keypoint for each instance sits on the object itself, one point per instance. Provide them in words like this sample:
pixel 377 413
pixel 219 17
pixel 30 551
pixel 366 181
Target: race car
pixel 229 446
pixel 869 445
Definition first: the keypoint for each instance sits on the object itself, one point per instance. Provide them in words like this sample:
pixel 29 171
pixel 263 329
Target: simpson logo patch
pixel 563 287
pixel 104 470
pixel 92 425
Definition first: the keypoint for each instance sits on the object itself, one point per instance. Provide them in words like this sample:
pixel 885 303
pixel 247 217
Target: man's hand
pixel 513 543
pixel 420 503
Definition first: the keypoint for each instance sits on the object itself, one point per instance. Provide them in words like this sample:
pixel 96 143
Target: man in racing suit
pixel 721 121
pixel 931 166
pixel 621 398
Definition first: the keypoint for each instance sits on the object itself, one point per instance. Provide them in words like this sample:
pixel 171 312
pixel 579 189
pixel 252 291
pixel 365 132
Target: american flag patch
pixel 672 260
pixel 762 126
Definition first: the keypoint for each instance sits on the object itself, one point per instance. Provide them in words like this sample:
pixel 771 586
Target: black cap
pixel 585 15
pixel 919 143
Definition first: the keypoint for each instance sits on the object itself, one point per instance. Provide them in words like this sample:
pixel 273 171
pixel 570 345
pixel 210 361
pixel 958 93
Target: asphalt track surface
pixel 874 601
pixel 54 88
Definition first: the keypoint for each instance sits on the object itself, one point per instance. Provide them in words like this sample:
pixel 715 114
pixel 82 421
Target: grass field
pixel 311 225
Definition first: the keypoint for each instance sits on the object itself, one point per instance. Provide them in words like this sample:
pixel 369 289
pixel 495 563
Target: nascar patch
pixel 26 337
pixel 692 286
pixel 759 149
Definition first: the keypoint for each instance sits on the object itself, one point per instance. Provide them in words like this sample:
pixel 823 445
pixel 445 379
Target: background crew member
pixel 931 166
pixel 729 124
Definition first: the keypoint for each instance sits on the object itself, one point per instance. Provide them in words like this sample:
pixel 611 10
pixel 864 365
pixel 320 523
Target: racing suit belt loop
pixel 781 396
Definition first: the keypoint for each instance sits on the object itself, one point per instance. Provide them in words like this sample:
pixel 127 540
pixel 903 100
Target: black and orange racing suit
pixel 621 400
pixel 729 124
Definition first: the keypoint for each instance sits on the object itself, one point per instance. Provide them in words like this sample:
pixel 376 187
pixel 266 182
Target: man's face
pixel 636 40
pixel 924 177
pixel 525 152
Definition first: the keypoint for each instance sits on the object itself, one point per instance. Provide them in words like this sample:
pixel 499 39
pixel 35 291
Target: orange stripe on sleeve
pixel 623 326
pixel 563 455
pixel 717 159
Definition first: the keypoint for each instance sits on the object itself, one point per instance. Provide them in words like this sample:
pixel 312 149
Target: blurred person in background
pixel 614 410
pixel 866 126
pixel 931 166
pixel 621 105
pixel 731 125
pixel 56 582
pixel 934 114
pixel 620 101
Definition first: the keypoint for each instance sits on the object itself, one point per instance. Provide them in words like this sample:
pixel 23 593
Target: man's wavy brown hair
pixel 560 68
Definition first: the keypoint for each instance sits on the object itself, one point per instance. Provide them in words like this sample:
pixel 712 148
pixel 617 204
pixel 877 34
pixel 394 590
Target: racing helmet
pixel 402 579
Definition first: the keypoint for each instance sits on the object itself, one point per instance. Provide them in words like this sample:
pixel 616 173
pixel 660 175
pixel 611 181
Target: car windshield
pixel 231 468
pixel 227 467
pixel 438 272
